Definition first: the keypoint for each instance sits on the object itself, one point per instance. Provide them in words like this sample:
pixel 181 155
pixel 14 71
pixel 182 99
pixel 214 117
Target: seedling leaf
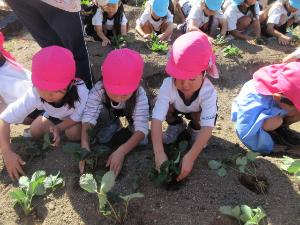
pixel 226 210
pixel 88 183
pixel 251 156
pixel 214 164
pixel 294 167
pixel 222 172
pixel 108 181
pixel 24 182
pixel 132 196
pixel 53 181
pixel 241 161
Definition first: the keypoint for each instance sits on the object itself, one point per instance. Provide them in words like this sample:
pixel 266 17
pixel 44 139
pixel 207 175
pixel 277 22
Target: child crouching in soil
pixel 54 91
pixel 266 106
pixel 15 80
pixel 156 18
pixel 118 94
pixel 109 20
pixel 188 91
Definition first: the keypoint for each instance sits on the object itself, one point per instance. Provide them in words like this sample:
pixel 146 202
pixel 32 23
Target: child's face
pixel 291 109
pixel 154 16
pixel 111 9
pixel 250 2
pixel 118 98
pixel 188 87
pixel 52 96
pixel 209 12
pixel 290 8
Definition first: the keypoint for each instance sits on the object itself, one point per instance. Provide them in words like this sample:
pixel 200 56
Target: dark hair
pixel 118 17
pixel 251 8
pixel 2 59
pixel 69 99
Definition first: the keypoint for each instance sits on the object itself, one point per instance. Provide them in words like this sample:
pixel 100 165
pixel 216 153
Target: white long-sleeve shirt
pixel 206 102
pixel 95 105
pixel 20 109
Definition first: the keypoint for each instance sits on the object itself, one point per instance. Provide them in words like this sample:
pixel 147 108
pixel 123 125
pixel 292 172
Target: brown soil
pixel 198 200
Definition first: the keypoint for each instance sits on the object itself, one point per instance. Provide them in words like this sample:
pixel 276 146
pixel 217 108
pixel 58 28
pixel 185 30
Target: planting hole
pixel 258 185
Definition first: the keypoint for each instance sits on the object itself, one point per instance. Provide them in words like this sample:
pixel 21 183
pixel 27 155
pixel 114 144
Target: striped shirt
pixel 95 104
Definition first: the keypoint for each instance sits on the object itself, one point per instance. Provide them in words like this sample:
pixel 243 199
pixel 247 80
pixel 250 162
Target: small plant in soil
pixel 91 157
pixel 220 40
pixel 244 214
pixel 156 45
pixel 245 166
pixel 170 169
pixel 119 41
pixel 231 51
pixel 111 205
pixel 36 186
pixel 294 34
pixel 292 166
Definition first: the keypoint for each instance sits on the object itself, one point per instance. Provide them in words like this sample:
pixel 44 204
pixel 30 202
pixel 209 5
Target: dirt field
pixel 198 200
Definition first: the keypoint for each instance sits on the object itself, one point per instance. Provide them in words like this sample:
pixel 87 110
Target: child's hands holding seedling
pixel 147 36
pixel 82 162
pixel 186 166
pixel 56 135
pixel 115 160
pixel 160 157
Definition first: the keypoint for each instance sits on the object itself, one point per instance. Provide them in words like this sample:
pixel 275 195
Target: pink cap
pixel 279 78
pixel 53 68
pixel 191 55
pixel 122 71
pixel 5 53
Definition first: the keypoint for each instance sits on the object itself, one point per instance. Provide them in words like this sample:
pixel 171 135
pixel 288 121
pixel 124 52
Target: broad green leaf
pixel 108 181
pixel 88 183
pixel 182 146
pixel 295 167
pixel 37 187
pixel 241 161
pixel 251 156
pixel 287 160
pixel 222 172
pixel 18 196
pixel 226 210
pixel 132 196
pixel 214 164
pixel 38 174
pixel 24 182
pixel 247 213
pixel 53 181
pixel 236 212
pixel 242 169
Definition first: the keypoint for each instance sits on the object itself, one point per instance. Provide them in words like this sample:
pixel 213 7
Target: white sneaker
pixel 172 133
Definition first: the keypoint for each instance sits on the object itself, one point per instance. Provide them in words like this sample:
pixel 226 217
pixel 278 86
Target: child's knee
pixel 74 133
pixel 244 22
pixel 38 127
pixel 272 123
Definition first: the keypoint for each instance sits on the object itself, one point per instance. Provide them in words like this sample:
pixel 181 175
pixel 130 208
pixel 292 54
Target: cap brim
pixel 120 90
pixel 177 73
pixel 49 86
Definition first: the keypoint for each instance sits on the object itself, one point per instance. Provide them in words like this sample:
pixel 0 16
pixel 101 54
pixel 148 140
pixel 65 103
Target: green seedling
pixel 86 2
pixel 36 186
pixel 244 214
pixel 244 164
pixel 220 40
pixel 294 34
pixel 260 41
pixel 292 166
pixel 54 181
pixel 91 157
pixel 156 45
pixel 47 142
pixel 110 204
pixel 231 51
pixel 170 169
pixel 119 41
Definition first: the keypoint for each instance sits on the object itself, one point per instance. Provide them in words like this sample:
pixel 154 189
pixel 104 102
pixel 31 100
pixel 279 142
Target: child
pixel 54 91
pixel 294 56
pixel 277 17
pixel 206 16
pixel 183 8
pixel 242 15
pixel 266 105
pixel 15 80
pixel 119 94
pixel 188 91
pixel 156 18
pixel 109 20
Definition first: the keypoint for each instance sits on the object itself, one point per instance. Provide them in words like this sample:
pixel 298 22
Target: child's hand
pixel 186 167
pixel 284 40
pixel 56 135
pixel 159 159
pixel 106 42
pixel 115 161
pixel 82 162
pixel 147 36
pixel 13 163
